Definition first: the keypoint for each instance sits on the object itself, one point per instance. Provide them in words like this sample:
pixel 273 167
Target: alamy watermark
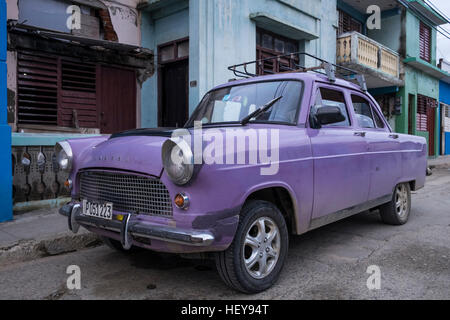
pixel 374 20
pixel 374 280
pixel 231 146
pixel 74 278
pixel 73 22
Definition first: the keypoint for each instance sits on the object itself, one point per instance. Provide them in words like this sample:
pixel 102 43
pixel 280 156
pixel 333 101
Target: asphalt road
pixel 328 263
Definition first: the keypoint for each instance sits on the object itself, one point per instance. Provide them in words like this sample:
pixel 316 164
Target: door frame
pixel 161 65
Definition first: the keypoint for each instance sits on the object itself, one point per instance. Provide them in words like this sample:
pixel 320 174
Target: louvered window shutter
pixel 422 116
pixel 425 42
pixel 37 81
pixel 56 91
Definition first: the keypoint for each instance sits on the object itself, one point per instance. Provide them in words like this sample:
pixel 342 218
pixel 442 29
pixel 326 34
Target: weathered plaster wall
pixel 12 9
pixel 11 60
pixel 126 21
pixel 221 33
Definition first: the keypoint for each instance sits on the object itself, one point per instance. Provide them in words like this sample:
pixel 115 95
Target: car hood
pixel 129 153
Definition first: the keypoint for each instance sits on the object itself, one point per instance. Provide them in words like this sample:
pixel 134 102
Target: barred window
pixel 271 45
pixel 347 23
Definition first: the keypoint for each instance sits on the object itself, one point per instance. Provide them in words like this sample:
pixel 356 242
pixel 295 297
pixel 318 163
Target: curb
pixel 26 250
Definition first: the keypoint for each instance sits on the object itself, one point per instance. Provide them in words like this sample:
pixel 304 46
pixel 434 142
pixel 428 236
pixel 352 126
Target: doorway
pixel 173 83
pixel 431 127
pixel 411 113
pixel 117 111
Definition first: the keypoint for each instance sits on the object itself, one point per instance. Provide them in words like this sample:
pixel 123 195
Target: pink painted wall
pixel 12 9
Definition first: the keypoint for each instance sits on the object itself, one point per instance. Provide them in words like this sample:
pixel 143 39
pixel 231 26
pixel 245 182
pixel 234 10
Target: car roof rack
pixel 326 68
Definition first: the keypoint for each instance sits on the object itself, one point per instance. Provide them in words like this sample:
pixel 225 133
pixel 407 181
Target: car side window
pixel 328 97
pixel 363 112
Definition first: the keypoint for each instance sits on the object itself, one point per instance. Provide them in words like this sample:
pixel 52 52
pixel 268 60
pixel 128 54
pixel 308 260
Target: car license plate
pixel 97 210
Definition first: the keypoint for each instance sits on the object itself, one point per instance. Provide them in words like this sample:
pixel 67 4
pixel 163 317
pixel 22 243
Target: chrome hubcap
pixel 261 248
pixel 401 201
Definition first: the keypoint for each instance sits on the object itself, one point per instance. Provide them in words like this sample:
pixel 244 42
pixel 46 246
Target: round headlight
pixel 64 155
pixel 178 161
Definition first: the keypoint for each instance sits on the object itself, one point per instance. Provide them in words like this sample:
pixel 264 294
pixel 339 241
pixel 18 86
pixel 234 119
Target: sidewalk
pixel 441 162
pixel 40 233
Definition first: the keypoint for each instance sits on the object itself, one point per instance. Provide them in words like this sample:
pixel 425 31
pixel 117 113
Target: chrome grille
pixel 128 193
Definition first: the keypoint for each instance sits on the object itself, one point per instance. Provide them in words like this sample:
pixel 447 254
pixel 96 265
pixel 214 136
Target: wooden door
pixel 411 113
pixel 431 128
pixel 174 108
pixel 117 110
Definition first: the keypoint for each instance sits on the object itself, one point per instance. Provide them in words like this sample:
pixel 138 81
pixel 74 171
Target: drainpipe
pixel 5 130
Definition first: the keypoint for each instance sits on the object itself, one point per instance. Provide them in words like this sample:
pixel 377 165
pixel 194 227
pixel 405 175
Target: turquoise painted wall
pixel 390 33
pixel 222 33
pixel 417 82
pixel 412 38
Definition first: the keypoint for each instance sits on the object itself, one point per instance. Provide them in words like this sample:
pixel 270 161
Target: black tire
pixel 390 213
pixel 230 263
pixel 117 246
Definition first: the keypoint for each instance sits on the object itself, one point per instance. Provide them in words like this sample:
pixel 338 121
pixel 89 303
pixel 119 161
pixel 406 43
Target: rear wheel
pixel 257 254
pixel 396 212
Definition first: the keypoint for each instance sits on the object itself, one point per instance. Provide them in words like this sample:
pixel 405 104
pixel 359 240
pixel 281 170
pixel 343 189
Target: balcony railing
pixel 367 52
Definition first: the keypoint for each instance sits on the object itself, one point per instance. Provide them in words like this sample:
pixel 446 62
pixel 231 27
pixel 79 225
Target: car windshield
pixel 232 104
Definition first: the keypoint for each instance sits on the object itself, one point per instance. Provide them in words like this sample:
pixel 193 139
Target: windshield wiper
pixel 256 113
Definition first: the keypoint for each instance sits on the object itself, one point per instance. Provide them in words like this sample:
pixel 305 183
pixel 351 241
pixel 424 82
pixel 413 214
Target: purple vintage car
pixel 323 152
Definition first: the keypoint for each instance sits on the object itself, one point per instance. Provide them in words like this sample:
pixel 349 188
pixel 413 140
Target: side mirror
pixel 324 115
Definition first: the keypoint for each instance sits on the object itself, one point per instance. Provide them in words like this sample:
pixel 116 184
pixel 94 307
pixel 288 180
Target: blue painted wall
pixel 444 97
pixel 223 33
pixel 5 130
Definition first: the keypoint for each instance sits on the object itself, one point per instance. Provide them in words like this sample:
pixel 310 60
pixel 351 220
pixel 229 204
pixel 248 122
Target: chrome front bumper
pixel 130 227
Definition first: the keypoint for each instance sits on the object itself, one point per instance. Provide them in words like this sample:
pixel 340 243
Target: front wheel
pixel 257 254
pixel 396 212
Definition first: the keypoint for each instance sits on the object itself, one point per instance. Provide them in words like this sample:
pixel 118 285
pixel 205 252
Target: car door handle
pixel 394 136
pixel 360 133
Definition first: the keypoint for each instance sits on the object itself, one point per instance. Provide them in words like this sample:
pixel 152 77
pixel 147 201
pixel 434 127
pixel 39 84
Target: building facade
pixel 74 68
pixel 444 103
pixel 399 60
pixel 196 40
